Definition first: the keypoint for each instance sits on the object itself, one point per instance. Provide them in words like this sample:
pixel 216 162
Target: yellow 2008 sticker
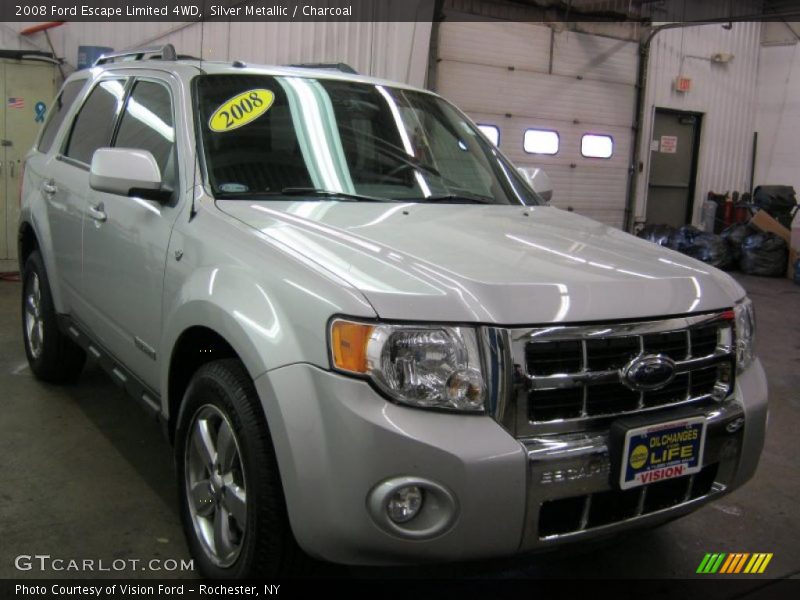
pixel 240 110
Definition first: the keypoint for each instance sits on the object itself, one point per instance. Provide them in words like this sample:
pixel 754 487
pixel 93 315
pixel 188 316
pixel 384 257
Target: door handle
pixel 11 169
pixel 49 187
pixel 98 212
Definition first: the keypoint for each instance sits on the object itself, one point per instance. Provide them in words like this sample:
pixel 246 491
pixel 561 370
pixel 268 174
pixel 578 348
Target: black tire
pixel 222 392
pixel 52 356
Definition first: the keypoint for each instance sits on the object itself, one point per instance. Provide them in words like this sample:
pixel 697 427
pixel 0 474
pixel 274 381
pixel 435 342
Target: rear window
pixel 58 112
pixel 95 121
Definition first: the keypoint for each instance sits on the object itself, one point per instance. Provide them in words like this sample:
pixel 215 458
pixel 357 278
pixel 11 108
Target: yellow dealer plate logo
pixel 639 456
pixel 240 110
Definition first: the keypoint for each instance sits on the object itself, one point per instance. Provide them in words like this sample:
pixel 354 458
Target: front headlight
pixel 429 366
pixel 745 333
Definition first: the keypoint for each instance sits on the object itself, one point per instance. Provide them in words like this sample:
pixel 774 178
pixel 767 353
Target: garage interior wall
pixel 778 107
pixel 397 51
pixel 518 76
pixel 725 93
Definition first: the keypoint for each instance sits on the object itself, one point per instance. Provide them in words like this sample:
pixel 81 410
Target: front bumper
pixel 336 439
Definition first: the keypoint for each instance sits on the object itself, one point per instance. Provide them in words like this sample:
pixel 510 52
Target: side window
pixel 147 124
pixel 58 111
pixel 95 122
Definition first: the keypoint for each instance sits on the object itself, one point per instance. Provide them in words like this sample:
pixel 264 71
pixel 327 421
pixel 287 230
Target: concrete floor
pixel 87 475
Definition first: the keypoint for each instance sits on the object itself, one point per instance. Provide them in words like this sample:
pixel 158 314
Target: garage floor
pixel 87 475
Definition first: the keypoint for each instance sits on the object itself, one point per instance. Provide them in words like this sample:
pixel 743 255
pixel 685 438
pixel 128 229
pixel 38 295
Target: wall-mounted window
pixel 541 141
pixel 491 132
pixel 595 145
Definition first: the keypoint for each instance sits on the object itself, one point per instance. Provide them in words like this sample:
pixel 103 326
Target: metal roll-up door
pixel 518 76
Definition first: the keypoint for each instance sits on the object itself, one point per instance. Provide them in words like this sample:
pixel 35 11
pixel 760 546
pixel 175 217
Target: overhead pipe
pixel 45 27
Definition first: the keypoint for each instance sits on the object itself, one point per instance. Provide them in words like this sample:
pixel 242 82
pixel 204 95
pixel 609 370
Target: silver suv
pixel 370 340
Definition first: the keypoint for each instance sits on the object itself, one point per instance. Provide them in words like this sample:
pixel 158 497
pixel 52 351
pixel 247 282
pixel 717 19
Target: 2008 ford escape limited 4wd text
pixel 369 339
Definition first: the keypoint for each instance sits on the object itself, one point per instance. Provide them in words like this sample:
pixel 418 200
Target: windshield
pixel 279 136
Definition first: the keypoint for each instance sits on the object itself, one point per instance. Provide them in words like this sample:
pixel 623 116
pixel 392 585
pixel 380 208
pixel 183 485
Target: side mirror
pixel 127 172
pixel 539 181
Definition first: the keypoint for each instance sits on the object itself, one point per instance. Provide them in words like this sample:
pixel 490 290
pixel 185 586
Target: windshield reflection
pixel 328 139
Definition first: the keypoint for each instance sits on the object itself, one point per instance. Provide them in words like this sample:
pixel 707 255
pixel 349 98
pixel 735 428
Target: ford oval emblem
pixel 648 372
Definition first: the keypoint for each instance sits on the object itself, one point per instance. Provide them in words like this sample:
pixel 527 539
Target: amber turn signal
pixel 349 345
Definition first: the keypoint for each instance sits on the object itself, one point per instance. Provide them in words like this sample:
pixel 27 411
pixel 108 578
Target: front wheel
pixel 230 493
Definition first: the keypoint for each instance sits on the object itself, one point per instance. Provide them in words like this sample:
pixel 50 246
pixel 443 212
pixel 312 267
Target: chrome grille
pixel 568 377
pixel 586 512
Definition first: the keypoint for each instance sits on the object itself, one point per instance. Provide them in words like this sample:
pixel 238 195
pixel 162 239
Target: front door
pixel 125 239
pixel 673 165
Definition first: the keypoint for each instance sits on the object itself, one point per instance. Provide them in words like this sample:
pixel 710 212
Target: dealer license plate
pixel 662 451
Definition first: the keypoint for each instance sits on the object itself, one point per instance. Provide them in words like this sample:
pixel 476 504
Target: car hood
pixel 491 264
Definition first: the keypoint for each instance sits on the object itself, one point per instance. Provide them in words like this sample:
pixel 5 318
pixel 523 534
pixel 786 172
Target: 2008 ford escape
pixel 366 334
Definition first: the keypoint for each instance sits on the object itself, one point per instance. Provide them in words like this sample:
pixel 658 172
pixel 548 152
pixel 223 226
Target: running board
pixel 145 396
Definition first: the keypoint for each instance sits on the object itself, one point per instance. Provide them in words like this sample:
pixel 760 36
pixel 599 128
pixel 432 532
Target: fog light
pixel 412 508
pixel 404 504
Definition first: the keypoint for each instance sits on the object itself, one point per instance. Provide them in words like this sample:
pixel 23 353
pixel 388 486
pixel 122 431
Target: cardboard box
pixel 764 221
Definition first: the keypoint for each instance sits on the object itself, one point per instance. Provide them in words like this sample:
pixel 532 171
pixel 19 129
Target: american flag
pixel 16 103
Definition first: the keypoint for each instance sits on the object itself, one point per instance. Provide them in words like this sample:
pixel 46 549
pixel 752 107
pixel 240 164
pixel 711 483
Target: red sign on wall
pixel 683 84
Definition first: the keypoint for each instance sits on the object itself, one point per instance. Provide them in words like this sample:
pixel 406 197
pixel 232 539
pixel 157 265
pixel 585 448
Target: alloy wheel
pixel 215 485
pixel 34 321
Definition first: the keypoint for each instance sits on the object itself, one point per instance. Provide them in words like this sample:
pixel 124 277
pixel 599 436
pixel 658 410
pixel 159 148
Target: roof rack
pixel 165 52
pixel 344 68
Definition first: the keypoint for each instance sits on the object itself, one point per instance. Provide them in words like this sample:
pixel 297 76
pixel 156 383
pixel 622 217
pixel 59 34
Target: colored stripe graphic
pixel 758 563
pixel 753 562
pixel 730 563
pixel 711 563
pixel 734 563
pixel 703 563
pixel 741 562
pixel 717 564
pixel 765 563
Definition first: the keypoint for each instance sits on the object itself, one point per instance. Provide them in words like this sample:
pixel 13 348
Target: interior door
pixel 673 152
pixel 125 239
pixel 27 92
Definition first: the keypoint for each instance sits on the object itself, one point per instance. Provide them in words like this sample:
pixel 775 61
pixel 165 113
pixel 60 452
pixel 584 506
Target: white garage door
pixel 514 77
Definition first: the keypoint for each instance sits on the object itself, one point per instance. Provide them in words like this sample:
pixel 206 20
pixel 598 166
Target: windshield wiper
pixel 299 191
pixel 454 199
pixel 400 154
pixel 243 195
pixel 315 192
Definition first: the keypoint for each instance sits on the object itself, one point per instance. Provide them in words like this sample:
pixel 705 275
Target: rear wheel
pixel 231 498
pixel 52 356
